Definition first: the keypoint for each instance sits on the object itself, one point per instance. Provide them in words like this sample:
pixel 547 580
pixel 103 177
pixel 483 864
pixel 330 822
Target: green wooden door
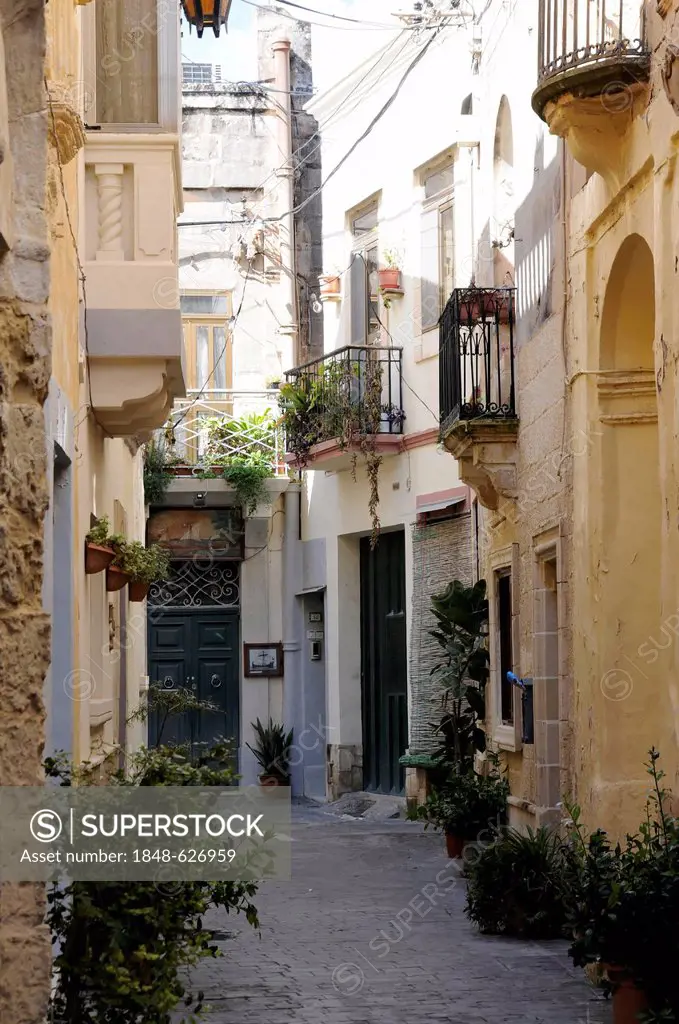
pixel 196 649
pixel 384 676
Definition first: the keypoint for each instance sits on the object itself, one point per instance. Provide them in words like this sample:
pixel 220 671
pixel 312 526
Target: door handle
pixel 215 682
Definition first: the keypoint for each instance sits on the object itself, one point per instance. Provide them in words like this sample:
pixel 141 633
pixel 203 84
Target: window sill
pixel 506 737
pixel 428 345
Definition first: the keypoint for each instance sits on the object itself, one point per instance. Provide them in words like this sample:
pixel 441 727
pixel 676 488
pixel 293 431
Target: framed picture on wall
pixel 263 660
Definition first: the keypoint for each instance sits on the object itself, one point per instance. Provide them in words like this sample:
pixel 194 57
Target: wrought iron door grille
pixel 476 357
pixel 198 583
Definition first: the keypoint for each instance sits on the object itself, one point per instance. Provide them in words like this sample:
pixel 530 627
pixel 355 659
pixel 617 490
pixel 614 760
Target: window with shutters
pixel 363 274
pixel 437 270
pixel 207 343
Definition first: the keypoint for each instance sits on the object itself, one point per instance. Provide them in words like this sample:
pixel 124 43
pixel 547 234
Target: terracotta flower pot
pixel 390 279
pixel 628 999
pixel 273 780
pixel 116 578
pixel 97 557
pixel 471 310
pixel 138 590
pixel 330 284
pixel 454 846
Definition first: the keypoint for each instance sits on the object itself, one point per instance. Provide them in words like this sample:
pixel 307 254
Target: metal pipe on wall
pixel 286 193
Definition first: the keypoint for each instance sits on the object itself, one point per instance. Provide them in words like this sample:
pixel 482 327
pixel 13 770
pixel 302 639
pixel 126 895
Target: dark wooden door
pixel 384 676
pixel 199 650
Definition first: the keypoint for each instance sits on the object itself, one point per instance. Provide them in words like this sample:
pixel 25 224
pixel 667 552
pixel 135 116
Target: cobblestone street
pixel 371 930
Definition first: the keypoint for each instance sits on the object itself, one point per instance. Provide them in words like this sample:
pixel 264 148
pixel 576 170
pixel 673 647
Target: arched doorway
pixel 625 557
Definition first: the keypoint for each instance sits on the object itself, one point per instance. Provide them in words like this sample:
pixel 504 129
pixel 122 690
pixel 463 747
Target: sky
pixel 336 49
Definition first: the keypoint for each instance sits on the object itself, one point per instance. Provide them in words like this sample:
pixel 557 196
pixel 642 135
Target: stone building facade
pixel 25 353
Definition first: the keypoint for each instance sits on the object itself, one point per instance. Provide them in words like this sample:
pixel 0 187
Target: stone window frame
pixel 548 546
pixel 505 735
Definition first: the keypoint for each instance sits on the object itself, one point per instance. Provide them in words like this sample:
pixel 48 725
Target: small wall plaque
pixel 263 660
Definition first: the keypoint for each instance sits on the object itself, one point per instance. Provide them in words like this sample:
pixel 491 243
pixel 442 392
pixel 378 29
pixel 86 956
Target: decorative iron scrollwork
pixel 198 584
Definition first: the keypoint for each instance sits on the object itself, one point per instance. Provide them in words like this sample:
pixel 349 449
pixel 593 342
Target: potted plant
pixel 272 750
pixel 390 274
pixel 116 576
pixel 330 284
pixel 98 551
pixel 480 304
pixel 624 908
pixel 144 566
pixel 465 806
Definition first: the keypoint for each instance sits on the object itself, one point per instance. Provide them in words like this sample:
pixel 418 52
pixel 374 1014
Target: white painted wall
pixel 423 122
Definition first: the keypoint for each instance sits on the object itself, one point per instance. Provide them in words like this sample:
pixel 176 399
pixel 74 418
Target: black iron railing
pixel 476 355
pixel 589 35
pixel 356 390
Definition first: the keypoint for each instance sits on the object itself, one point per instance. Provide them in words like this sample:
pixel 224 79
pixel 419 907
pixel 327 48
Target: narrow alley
pixel 371 930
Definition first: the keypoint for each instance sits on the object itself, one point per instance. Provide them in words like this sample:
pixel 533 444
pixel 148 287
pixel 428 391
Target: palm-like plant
pixel 461 615
pixel 272 749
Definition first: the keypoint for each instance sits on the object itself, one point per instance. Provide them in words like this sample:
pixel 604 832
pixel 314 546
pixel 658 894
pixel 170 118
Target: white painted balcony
pixel 209 431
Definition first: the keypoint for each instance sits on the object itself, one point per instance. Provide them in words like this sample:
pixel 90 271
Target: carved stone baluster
pixel 110 199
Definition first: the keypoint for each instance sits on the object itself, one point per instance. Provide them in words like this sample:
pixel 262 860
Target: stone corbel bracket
pixel 486 453
pixel 597 129
pixel 66 129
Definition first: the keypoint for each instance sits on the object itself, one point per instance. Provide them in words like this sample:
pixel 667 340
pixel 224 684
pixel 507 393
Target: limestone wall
pixel 25 343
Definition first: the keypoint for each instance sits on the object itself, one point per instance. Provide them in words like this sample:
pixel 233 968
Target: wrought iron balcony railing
pixel 213 431
pixel 352 392
pixel 590 47
pixel 476 356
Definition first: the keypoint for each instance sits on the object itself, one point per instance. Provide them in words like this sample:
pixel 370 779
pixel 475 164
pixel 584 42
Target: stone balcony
pixel 479 425
pixel 593 77
pixel 132 323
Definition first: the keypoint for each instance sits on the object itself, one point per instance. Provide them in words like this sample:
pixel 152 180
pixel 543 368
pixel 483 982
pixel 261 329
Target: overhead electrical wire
pixel 338 166
pixel 358 26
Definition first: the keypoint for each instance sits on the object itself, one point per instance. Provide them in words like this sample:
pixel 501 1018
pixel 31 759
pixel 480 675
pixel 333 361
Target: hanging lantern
pixel 207 14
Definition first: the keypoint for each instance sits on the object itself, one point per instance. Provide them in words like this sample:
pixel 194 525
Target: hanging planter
pixel 99 552
pixel 97 557
pixel 138 590
pixel 330 284
pixel 116 578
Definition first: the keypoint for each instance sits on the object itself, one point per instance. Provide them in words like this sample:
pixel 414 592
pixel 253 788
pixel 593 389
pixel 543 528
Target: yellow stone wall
pixel 597 454
pixel 107 472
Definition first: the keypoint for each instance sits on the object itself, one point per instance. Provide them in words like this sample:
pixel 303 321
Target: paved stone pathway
pixel 371 930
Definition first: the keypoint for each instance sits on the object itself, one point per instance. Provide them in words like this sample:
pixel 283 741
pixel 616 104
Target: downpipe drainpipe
pixel 286 200
pixel 293 668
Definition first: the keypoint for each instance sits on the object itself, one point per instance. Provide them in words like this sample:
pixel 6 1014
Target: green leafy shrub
pixel 124 947
pixel 99 533
pixel 624 900
pixel 466 805
pixel 516 884
pixel 144 564
pixel 157 475
pixel 248 476
pixel 255 435
pixel 461 632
